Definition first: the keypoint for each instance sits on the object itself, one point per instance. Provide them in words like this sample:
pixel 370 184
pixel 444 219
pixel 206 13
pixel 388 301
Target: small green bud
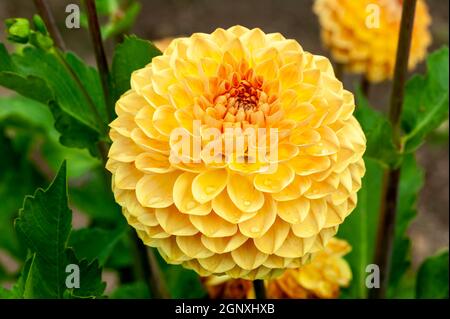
pixel 18 29
pixel 41 41
pixel 39 24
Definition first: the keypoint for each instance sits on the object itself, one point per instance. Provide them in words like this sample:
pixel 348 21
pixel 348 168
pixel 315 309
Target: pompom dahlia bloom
pixel 322 278
pixel 363 34
pixel 260 203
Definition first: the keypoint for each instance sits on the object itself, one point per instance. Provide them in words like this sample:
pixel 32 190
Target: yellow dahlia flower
pixel 259 203
pixel 321 278
pixel 363 34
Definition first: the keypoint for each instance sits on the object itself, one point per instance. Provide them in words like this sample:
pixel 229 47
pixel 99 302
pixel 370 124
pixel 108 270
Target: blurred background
pixel 293 18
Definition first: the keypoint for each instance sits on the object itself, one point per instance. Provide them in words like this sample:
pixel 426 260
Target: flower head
pixel 322 278
pixel 363 34
pixel 236 153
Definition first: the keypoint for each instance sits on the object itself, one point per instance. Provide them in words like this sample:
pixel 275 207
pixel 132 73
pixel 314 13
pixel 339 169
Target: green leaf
pixel 91 284
pixel 136 290
pixel 426 101
pixel 432 277
pixel 18 289
pixel 44 223
pixel 94 197
pixel 132 54
pixel 378 131
pixel 96 243
pixel 45 77
pixel 359 228
pixel 181 282
pixel 18 112
pixel 15 167
pixel 411 182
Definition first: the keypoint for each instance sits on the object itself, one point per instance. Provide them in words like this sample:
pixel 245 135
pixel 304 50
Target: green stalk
pixel 386 226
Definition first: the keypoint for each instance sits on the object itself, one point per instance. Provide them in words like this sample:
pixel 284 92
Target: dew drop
pixel 210 189
pixel 154 200
pixel 255 229
pixel 190 205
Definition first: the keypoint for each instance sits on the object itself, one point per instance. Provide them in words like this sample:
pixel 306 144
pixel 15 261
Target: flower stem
pixel 260 289
pixel 386 228
pixel 365 86
pixel 148 270
pixel 46 15
pixel 100 56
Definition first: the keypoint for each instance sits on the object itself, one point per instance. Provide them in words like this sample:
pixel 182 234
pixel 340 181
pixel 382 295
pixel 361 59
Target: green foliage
pixel 132 54
pixel 136 290
pixel 426 101
pixel 53 78
pixel 378 131
pixel 121 16
pixel 181 282
pixel 44 223
pixel 96 243
pixel 358 228
pixel 411 182
pixel 432 277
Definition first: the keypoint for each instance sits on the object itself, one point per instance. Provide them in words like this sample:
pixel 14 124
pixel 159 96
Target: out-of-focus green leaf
pixel 378 131
pixel 44 76
pixel 181 282
pixel 360 231
pixel 432 277
pixel 136 290
pixel 96 243
pixel 132 54
pixel 122 24
pixel 411 182
pixel 17 291
pixel 93 196
pixel 15 167
pixel 18 112
pixel 426 101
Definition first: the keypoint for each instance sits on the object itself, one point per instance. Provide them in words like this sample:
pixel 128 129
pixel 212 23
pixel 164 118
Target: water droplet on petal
pixel 190 205
pixel 210 189
pixel 255 229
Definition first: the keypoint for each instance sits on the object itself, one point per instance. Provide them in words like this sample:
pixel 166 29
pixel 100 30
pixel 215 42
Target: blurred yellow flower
pixel 163 43
pixel 261 202
pixel 321 278
pixel 363 34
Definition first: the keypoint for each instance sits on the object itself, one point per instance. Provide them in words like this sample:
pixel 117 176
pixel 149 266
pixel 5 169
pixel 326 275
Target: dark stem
pixel 260 289
pixel 365 86
pixel 46 15
pixel 386 227
pixel 148 269
pixel 339 71
pixel 100 56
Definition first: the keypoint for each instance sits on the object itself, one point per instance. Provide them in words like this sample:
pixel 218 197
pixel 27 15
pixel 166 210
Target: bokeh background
pixel 293 18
